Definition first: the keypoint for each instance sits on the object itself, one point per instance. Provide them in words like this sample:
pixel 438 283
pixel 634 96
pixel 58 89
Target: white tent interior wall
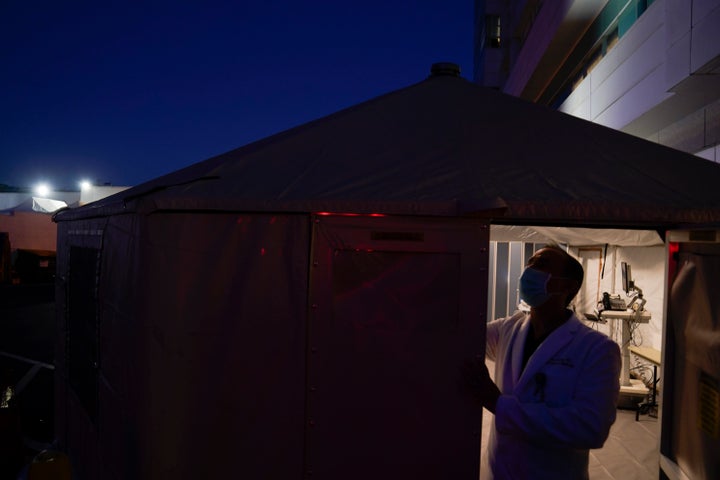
pixel 601 252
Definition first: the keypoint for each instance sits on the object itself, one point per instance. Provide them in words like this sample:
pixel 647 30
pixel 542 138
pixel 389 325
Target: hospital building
pixel 650 68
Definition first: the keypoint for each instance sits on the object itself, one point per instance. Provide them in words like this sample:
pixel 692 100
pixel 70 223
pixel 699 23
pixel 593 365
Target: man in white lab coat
pixel 557 379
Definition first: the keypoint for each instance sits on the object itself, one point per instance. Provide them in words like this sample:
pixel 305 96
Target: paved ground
pixel 27 325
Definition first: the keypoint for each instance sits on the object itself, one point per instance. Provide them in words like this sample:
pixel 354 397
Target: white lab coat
pixel 563 404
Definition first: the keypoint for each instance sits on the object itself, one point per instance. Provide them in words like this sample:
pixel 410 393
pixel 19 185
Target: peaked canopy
pixel 36 204
pixel 445 146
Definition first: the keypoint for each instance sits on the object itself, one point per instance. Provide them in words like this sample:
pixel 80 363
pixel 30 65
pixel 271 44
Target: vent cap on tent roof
pixel 445 69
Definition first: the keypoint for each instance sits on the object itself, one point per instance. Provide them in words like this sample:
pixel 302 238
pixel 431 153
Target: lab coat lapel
pixel 548 348
pixel 518 346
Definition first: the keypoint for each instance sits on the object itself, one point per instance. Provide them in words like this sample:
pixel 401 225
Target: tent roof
pixel 36 204
pixel 445 146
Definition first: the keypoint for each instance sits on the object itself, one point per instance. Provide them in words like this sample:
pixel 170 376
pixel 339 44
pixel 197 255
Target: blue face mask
pixel 533 287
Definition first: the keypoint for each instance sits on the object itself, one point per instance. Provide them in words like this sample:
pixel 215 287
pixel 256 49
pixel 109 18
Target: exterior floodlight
pixel 42 190
pixel 85 184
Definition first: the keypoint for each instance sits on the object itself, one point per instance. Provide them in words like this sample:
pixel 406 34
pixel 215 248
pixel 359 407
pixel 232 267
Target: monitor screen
pixel 626 271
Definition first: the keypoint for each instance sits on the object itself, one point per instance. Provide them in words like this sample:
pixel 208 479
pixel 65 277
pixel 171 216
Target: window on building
pixel 593 60
pixel 643 5
pixel 630 15
pixel 610 40
pixel 604 45
pixel 82 326
pixel 492 29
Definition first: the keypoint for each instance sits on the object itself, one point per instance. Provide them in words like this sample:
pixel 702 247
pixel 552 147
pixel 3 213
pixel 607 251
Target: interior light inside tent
pixel 85 184
pixel 42 190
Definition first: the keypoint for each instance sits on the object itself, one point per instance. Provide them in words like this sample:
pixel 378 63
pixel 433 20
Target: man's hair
pixel 572 269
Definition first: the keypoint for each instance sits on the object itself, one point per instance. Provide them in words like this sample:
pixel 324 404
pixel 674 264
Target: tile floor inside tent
pixel 631 452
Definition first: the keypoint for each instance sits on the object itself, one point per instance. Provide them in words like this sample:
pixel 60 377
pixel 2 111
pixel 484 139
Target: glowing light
pixel 85 184
pixel 346 214
pixel 42 190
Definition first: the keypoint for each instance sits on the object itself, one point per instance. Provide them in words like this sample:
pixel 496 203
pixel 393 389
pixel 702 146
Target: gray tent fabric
pixel 445 146
pixel 256 345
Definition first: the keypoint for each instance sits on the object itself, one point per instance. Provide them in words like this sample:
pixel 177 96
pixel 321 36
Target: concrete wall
pixel 30 231
pixel 669 51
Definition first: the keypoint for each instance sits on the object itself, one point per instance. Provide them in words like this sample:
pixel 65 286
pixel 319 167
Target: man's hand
pixel 477 382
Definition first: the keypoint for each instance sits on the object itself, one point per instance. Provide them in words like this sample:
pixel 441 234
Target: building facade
pixel 650 68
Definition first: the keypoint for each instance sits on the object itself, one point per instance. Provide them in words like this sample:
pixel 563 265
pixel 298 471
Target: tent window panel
pixel 491 281
pixel 530 249
pixel 82 328
pixel 397 291
pixel 502 269
pixel 529 252
pixel 515 270
pixel 507 261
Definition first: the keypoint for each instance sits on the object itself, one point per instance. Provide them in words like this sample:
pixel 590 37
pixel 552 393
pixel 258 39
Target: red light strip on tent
pixel 339 214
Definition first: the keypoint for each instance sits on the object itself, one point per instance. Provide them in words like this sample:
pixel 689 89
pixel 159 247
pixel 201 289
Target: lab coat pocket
pixel 555 383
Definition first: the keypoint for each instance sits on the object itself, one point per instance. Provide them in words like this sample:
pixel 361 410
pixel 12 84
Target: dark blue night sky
pixel 125 91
